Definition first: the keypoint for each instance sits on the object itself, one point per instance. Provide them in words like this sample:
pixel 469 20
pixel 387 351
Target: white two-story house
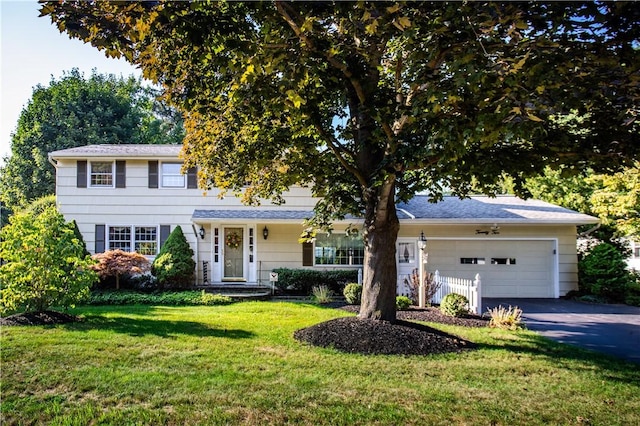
pixel 131 197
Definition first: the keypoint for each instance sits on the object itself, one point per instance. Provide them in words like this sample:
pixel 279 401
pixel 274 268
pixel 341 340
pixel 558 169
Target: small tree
pixel 44 265
pixel 114 263
pixel 174 265
pixel 603 273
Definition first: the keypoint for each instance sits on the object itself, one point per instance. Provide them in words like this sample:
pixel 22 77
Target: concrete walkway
pixel 612 329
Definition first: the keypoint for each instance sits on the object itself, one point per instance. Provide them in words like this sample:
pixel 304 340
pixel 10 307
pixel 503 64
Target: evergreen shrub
pixel 352 293
pixel 174 266
pixel 454 305
pixel 603 272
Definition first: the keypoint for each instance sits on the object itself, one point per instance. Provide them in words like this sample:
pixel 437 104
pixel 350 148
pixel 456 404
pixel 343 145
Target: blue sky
pixel 32 51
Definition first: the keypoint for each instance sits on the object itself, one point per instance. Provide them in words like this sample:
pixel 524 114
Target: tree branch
pixel 342 67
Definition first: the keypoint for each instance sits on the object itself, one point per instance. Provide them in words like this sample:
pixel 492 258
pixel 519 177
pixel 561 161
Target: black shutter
pixel 153 174
pixel 100 238
pixel 307 254
pixel 192 178
pixel 121 174
pixel 165 230
pixel 82 174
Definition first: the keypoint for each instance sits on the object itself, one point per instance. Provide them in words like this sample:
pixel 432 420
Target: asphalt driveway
pixel 612 329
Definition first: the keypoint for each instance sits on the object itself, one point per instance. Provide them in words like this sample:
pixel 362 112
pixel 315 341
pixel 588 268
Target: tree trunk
pixel 380 270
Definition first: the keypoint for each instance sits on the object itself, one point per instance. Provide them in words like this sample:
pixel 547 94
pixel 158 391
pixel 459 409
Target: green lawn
pixel 239 364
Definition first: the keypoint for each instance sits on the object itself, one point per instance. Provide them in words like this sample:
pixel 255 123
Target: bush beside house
pixel 300 282
pixel 44 263
pixel 174 266
pixel 602 273
pixel 118 263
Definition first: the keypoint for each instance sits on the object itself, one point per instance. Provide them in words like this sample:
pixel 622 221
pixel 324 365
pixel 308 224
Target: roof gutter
pixel 406 212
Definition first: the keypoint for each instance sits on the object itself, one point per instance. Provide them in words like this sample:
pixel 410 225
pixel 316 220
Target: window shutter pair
pixel 101 240
pixel 121 174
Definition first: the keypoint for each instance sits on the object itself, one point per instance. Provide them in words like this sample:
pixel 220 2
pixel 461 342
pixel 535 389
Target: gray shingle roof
pixel 487 209
pixel 504 209
pixel 261 214
pixel 119 151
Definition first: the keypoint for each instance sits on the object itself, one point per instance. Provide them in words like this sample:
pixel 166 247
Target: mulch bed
pixel 38 318
pixel 402 337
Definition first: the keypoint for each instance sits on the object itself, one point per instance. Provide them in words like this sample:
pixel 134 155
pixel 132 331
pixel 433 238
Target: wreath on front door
pixel 233 240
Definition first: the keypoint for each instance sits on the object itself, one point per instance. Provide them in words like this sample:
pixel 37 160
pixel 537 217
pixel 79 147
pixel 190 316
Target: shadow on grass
pixel 139 327
pixel 565 356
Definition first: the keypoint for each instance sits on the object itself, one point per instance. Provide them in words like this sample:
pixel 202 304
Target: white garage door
pixel 507 268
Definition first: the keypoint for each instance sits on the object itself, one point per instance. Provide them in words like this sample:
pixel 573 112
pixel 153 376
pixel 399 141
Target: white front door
pixel 233 254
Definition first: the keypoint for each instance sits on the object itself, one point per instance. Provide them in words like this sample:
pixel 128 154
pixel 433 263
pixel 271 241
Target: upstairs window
pixel 101 174
pixel 338 249
pixel 172 176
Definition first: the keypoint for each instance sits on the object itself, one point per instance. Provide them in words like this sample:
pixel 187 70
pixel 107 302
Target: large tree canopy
pixel 370 102
pixel 74 111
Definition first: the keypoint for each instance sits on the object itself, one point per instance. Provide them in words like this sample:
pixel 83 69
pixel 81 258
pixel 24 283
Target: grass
pixel 238 364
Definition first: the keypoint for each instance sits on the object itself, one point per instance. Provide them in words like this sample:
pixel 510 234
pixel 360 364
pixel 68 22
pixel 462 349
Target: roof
pixel 119 151
pixel 474 210
pixel 261 214
pixel 482 209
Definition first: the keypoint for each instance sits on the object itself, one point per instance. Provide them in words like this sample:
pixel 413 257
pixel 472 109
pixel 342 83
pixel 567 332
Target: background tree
pixel 115 263
pixel 174 265
pixel 368 102
pixel 44 263
pixel 614 198
pixel 74 111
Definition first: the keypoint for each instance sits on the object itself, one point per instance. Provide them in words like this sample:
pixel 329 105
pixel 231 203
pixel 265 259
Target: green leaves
pixel 75 111
pixel 44 263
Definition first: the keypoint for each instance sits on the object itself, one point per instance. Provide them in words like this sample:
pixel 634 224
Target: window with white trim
pixel 172 176
pixel 101 174
pixel 338 249
pixel 146 240
pixel 142 239
pixel 119 238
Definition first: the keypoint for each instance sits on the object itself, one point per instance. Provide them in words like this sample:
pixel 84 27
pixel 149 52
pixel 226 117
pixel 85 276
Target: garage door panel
pixel 530 276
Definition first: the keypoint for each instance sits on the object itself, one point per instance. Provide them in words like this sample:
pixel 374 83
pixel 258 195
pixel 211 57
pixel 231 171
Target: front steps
pixel 239 291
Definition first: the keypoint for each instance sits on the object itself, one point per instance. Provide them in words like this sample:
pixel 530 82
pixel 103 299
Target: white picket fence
pixel 470 288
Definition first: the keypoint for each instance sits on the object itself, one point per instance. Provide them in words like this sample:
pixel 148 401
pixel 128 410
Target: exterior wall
pixel 139 205
pixel 565 235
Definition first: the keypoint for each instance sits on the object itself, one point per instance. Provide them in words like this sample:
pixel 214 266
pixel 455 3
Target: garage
pixel 508 268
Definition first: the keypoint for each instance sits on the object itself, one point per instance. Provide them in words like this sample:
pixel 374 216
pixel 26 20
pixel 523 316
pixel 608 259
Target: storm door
pixel 233 254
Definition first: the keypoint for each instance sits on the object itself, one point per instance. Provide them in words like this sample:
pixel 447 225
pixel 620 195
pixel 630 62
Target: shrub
pixel 431 287
pixel 454 305
pixel 43 263
pixel 115 263
pixel 510 319
pixel 301 281
pixel 174 266
pixel 402 303
pixel 632 296
pixel 353 293
pixel 322 294
pixel 145 281
pixel 603 272
pixel 170 298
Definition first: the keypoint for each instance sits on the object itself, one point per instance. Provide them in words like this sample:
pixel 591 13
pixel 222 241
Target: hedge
pixel 301 281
